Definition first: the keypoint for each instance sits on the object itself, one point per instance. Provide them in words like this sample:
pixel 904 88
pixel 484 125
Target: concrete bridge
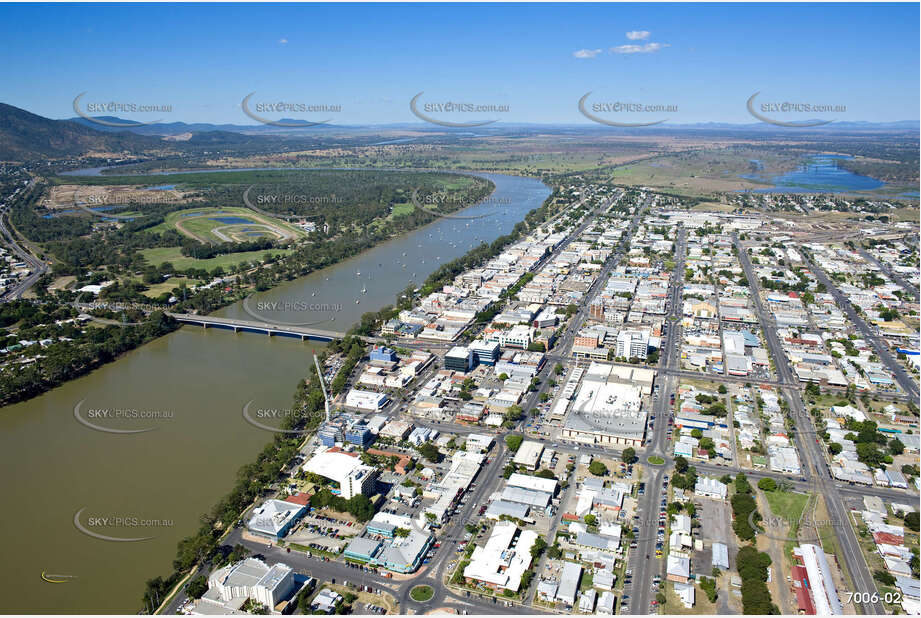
pixel 248 326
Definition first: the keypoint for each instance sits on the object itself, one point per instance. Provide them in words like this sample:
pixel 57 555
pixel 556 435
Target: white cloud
pixel 648 48
pixel 586 53
pixel 638 35
pixel 283 41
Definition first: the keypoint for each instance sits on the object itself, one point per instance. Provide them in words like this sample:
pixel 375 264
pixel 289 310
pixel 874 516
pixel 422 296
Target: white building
pixel 478 443
pixel 632 344
pixel 528 454
pixel 366 400
pixel 354 478
pixel 710 487
pixel 606 413
pixel 500 563
pixel 821 584
pixel 229 587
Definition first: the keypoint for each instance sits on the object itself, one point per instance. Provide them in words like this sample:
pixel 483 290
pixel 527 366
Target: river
pixel 188 390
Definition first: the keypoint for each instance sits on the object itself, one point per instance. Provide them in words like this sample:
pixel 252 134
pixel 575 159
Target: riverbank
pixel 308 401
pixel 184 464
pixel 44 374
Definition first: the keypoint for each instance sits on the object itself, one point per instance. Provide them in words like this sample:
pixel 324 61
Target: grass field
pixel 173 255
pixel 789 506
pixel 786 504
pixel 156 289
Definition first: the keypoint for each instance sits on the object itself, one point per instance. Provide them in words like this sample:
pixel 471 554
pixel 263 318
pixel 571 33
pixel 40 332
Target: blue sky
pixel 538 59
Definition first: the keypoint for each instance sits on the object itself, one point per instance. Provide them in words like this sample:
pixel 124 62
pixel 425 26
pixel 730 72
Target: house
pixel 605 604
pixel 603 579
pixel 587 601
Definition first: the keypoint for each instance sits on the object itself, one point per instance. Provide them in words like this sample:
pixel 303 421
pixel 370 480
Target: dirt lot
pixel 63 197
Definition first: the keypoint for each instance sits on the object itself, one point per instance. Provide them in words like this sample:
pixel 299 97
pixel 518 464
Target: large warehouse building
pixel 606 411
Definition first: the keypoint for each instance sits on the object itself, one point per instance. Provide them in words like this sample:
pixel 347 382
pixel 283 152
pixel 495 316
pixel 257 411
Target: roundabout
pixel 421 594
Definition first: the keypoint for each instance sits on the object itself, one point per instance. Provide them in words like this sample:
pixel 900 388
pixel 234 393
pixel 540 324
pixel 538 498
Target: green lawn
pixel 786 504
pixel 789 506
pixel 402 209
pixel 422 593
pixel 155 289
pixel 158 255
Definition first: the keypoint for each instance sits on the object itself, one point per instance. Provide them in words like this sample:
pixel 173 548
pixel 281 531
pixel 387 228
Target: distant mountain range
pixel 24 135
pixel 179 128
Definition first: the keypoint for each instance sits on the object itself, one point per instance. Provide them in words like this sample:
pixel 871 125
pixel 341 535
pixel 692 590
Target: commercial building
pixel 720 556
pixel 231 586
pixel 534 483
pixel 606 412
pixel 353 477
pixel 530 497
pixel 366 400
pixel 817 583
pixel 677 568
pixel 632 344
pixel 478 443
pixel 528 454
pixel 400 554
pixel 382 354
pixel 459 358
pixel 570 578
pixel 500 563
pixel 485 352
pixel 710 487
pixel 359 435
pixel 501 508
pixel 274 518
pixel 326 601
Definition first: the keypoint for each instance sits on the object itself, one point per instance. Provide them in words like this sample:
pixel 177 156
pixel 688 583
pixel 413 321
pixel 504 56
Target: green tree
pixel 767 484
pixel 742 485
pixel 430 452
pixel 597 468
pixel 681 464
pixel 513 442
pixel 884 577
pixel 197 587
pixel 628 455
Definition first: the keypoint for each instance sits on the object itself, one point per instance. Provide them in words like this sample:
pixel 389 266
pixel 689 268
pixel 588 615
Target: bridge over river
pixel 250 326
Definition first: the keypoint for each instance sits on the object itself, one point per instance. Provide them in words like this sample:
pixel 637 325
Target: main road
pixel 644 563
pixel 811 452
pixel 37 266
